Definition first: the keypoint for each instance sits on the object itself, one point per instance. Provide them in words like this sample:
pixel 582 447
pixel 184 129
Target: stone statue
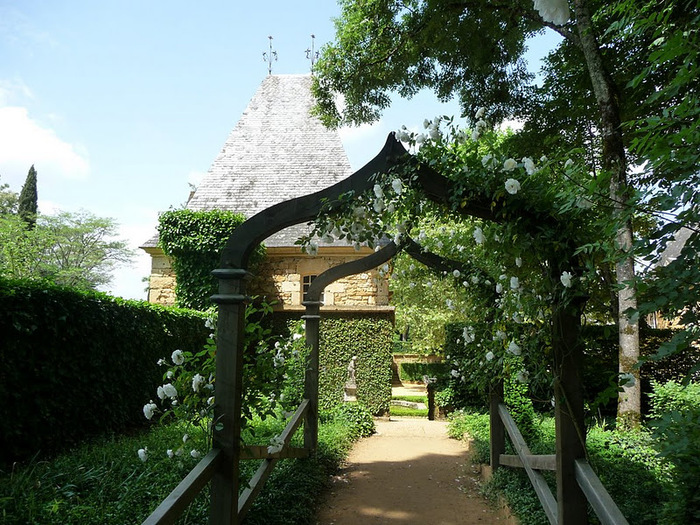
pixel 351 370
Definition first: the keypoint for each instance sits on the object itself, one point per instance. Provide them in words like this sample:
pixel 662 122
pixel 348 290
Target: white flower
pixel 522 376
pixel 568 163
pixel 420 139
pixel 170 453
pixel 185 437
pixel 195 453
pixel 514 283
pixel 161 393
pixel 489 356
pixel 566 279
pixel 475 279
pixel 478 235
pixel 143 453
pixel 480 113
pixel 499 288
pixel 543 158
pixel 296 337
pixel 312 248
pixel 518 262
pixel 209 323
pixel 529 165
pixel 378 205
pixel 513 348
pixel 397 186
pixel 170 390
pixel 468 335
pixel 554 11
pixel 161 361
pixel 169 374
pixel 500 335
pixel 456 274
pixel 197 381
pixel 149 409
pixel 429 284
pixel 512 186
pixel 510 164
pixel 178 357
pixel 210 401
pixel 449 304
pixel 426 123
pixel 434 132
pixel 277 444
pixel 278 359
pixel 378 191
pixel 455 373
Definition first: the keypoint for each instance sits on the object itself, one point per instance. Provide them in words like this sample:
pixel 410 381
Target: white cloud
pixel 26 142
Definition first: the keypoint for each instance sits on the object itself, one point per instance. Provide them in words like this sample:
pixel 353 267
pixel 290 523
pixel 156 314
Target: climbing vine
pixel 193 240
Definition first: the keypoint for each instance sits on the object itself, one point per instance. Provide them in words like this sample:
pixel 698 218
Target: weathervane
pixel 311 54
pixel 269 57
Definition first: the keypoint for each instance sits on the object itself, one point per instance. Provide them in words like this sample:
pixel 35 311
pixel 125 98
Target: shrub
pixel 77 363
pixel 416 371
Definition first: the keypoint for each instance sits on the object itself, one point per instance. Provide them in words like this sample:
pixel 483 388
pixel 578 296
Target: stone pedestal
pixel 350 392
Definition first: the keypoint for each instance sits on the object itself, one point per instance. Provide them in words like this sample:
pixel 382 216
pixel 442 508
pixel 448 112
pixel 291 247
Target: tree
pixel 8 200
pixel 70 249
pixel 27 206
pixel 474 49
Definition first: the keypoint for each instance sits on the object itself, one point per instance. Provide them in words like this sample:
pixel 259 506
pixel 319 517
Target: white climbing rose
pixel 554 11
pixel 512 186
pixel 566 278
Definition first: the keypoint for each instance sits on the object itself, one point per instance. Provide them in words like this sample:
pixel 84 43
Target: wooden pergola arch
pixel 221 464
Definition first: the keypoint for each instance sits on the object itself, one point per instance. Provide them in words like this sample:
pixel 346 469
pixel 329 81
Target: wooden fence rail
pixel 177 501
pixel 603 505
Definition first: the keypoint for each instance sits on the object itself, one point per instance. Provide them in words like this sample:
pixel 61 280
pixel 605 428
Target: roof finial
pixel 269 57
pixel 311 54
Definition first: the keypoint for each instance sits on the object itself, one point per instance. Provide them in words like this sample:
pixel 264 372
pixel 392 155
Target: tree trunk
pixel 614 161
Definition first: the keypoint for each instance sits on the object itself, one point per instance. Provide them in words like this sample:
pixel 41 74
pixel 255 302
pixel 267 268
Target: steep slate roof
pixel 276 152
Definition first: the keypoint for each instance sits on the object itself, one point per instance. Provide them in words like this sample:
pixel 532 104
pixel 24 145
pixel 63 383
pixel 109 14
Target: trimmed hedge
pixel 416 371
pixel 76 364
pixel 370 339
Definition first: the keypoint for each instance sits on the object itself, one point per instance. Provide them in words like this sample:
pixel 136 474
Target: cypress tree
pixel 28 198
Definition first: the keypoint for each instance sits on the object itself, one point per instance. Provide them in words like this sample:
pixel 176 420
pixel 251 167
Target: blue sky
pixel 119 105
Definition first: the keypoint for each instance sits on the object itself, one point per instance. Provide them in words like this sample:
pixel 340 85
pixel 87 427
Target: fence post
pixel 497 437
pixel 229 393
pixel 568 412
pixel 312 320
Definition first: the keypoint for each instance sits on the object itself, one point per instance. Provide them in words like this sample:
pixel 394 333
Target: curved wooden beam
pixel 259 227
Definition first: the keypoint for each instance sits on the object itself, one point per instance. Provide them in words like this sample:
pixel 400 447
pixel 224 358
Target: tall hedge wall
pixel 370 340
pixel 344 335
pixel 76 364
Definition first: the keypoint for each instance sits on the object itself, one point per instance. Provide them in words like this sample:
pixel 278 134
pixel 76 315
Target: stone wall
pixel 279 278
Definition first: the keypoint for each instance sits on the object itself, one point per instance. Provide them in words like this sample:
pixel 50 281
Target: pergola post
pixel 497 429
pixel 568 412
pixel 227 410
pixel 312 320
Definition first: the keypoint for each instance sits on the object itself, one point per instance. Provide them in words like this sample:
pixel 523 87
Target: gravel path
pixel 409 472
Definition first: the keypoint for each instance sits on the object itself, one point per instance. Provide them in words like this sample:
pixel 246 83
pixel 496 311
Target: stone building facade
pixel 276 152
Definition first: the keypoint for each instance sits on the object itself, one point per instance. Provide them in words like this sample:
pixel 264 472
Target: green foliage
pixel 68 249
pixel 77 364
pixel 626 463
pixel 676 409
pixel 417 371
pixel 194 240
pixel 370 340
pixel 104 483
pixel 8 200
pixel 27 206
pixel 356 416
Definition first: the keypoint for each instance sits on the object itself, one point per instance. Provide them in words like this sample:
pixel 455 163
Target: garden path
pixel 409 472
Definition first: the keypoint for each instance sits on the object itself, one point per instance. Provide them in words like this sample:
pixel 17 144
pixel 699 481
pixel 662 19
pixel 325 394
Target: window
pixel 306 281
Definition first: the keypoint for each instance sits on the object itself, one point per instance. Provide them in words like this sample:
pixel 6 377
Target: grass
pixel 104 482
pixel 403 411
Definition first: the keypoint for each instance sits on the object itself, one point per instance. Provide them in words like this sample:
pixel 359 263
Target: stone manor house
pixel 278 151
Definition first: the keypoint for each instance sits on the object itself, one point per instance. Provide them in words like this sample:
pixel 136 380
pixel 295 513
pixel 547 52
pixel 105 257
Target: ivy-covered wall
pixel 366 335
pixel 76 364
pixel 193 241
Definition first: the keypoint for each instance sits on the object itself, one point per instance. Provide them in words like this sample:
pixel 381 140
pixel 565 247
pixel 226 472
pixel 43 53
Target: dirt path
pixel 409 472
